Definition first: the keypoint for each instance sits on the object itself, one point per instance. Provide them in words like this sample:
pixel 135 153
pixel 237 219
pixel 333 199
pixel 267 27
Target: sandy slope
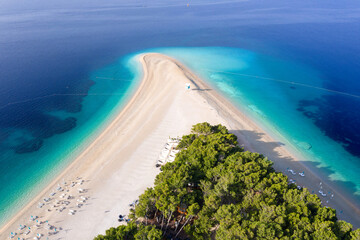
pixel 120 164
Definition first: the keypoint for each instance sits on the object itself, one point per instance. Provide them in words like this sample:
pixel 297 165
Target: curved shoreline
pixel 282 157
pixel 161 104
pixel 56 161
pixel 67 171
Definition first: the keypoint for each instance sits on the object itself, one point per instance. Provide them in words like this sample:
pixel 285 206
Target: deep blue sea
pixel 66 68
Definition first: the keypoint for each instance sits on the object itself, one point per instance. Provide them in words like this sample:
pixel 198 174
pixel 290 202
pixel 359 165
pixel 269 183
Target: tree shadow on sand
pixel 270 150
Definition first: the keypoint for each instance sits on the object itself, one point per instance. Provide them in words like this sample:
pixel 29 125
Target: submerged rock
pixel 29 146
pixel 64 125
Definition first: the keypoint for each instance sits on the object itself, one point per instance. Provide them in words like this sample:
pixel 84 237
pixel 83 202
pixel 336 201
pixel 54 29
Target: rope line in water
pixel 61 94
pixel 288 82
pixel 115 79
pixel 209 70
pixel 69 94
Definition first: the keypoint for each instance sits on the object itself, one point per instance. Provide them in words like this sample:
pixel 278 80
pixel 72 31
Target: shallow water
pixel 289 98
pixel 64 73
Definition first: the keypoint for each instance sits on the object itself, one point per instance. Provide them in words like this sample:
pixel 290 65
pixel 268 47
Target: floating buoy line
pixel 287 82
pixel 209 70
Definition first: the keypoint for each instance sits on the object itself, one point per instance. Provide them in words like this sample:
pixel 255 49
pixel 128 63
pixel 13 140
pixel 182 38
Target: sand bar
pixel 120 163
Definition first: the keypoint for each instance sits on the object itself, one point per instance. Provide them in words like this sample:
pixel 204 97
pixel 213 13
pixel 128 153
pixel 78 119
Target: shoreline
pixel 289 154
pixel 337 186
pixel 69 155
pixel 110 159
pixel 70 166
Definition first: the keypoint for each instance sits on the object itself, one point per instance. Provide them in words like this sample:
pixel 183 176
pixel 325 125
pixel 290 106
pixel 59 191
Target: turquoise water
pixel 113 86
pixel 264 87
pixel 248 79
pixel 269 90
pixel 66 70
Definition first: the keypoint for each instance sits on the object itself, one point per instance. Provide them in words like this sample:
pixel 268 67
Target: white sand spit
pixel 120 164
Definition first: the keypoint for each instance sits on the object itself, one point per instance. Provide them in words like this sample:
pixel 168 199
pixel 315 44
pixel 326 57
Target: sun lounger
pixel 21 227
pixel 33 218
pixel 171 159
pixel 48 227
pixel 161 160
pixel 72 212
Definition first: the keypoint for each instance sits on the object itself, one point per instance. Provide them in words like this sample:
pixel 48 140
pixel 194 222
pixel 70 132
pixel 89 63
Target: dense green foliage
pixel 214 189
pixel 131 231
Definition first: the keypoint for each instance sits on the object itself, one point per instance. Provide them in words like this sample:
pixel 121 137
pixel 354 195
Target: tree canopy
pixel 131 231
pixel 216 190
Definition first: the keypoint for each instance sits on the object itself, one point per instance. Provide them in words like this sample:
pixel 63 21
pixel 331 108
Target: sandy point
pixel 120 163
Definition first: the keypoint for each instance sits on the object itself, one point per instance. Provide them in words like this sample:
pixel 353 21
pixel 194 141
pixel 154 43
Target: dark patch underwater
pixel 338 117
pixel 34 117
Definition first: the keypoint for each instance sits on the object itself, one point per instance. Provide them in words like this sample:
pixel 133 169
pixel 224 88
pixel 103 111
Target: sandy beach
pixel 87 197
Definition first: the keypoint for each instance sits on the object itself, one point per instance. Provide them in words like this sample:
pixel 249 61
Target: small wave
pixel 257 111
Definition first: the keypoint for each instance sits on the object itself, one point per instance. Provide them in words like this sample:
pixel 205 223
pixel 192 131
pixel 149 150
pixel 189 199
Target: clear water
pixel 286 97
pixel 65 71
pixel 24 174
